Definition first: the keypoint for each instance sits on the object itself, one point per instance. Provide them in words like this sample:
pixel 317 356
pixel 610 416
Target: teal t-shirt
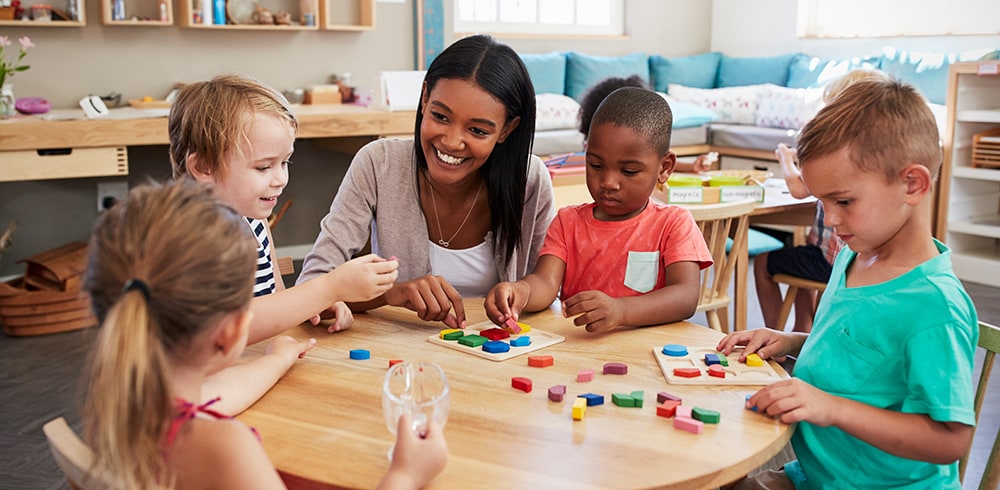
pixel 905 345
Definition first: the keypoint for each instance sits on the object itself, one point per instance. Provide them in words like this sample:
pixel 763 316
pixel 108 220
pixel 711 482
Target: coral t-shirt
pixel 623 258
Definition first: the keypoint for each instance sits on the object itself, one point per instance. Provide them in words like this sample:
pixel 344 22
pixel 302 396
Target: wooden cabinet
pixel 73 9
pixel 968 211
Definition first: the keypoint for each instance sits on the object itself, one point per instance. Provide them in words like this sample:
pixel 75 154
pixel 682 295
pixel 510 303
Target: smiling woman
pixel 464 205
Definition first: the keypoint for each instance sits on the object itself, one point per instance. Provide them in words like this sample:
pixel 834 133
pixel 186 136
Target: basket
pixel 7 13
pixel 750 177
pixel 986 149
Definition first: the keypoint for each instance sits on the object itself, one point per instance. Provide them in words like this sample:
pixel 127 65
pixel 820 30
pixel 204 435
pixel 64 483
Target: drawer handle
pixel 54 151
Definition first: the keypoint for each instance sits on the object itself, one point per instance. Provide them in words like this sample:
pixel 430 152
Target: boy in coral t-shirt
pixel 623 260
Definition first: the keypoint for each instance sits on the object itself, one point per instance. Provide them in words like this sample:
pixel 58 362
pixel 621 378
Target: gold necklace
pixel 441 241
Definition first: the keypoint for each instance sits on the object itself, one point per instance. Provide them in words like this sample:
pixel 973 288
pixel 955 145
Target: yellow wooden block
pixel 525 328
pixel 448 331
pixel 753 360
pixel 579 408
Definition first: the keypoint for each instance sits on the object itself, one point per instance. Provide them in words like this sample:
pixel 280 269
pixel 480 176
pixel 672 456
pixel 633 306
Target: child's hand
pixel 364 278
pixel 342 313
pixel 288 348
pixel 505 300
pixel 794 400
pixel 766 342
pixel 793 176
pixel 598 311
pixel 416 460
pixel 704 162
pixel 431 297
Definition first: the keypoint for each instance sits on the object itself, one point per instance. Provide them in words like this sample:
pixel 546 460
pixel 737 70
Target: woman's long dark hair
pixel 498 70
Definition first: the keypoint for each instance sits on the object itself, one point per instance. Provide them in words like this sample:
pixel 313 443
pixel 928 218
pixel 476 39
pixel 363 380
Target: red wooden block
pixel 688 372
pixel 615 368
pixel 393 362
pixel 557 392
pixel 540 361
pixel 717 371
pixel 495 333
pixel 523 384
pixel 667 409
pixel 585 376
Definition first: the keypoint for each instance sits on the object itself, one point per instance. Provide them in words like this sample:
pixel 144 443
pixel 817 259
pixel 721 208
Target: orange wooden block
pixel 689 372
pixel 393 362
pixel 540 361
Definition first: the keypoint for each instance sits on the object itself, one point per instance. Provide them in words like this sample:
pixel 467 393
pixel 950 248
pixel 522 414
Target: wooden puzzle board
pixel 539 340
pixel 737 373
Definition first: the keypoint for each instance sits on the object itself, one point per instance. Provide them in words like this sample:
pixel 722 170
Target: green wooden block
pixel 637 397
pixel 622 400
pixel 723 360
pixel 472 340
pixel 453 335
pixel 705 415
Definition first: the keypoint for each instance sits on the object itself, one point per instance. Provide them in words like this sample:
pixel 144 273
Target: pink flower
pixel 25 42
pixel 4 41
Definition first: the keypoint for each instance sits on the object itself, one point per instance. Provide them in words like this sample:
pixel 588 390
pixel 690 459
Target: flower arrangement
pixel 9 68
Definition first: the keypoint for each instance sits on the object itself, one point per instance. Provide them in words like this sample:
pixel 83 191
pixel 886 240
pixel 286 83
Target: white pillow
pixel 788 108
pixel 555 111
pixel 734 105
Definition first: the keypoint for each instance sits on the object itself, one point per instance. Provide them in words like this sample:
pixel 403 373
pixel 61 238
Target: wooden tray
pixel 151 104
pixel 737 373
pixel 539 340
pixel 986 149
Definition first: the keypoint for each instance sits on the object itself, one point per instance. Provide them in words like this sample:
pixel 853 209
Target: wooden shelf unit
pixel 968 211
pixel 347 15
pixel 149 9
pixel 79 22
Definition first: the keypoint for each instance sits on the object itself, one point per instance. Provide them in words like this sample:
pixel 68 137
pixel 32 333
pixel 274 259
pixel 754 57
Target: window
pixel 545 17
pixel 894 18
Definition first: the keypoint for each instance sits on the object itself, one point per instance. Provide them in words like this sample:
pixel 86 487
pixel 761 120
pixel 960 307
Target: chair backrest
pixel 989 339
pixel 717 223
pixel 74 458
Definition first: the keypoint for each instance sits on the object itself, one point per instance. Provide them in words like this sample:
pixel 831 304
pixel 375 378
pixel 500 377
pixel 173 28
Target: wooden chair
pixel 717 223
pixel 73 457
pixel 794 285
pixel 989 339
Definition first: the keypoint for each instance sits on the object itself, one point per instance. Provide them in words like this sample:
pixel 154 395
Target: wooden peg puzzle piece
pixel 495 333
pixel 705 415
pixel 615 368
pixel 717 371
pixel 667 409
pixel 675 350
pixel 711 359
pixel 585 376
pixel 683 411
pixel 579 408
pixel 472 340
pixel 540 361
pixel 452 333
pixel 638 397
pixel 393 362
pixel 592 398
pixel 622 400
pixel 664 396
pixel 691 425
pixel 522 341
pixel 687 372
pixel 360 354
pixel 681 370
pixel 557 392
pixel 753 360
pixel 512 326
pixel 523 384
pixel 496 346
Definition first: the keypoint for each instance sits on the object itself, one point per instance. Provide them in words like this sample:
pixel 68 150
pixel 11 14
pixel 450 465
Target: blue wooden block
pixel 711 358
pixel 360 354
pixel 675 350
pixel 522 341
pixel 592 399
pixel 496 347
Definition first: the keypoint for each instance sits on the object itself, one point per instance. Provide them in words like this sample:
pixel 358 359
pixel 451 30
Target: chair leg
pixel 713 320
pixel 786 307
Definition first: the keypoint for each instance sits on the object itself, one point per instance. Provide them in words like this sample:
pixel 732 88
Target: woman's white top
pixel 471 271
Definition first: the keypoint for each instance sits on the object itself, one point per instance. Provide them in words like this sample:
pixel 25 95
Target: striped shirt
pixel 264 277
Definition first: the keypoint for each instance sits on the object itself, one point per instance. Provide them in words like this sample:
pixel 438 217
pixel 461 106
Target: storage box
pixel 323 94
pixel 708 195
pixel 986 149
pixel 63 163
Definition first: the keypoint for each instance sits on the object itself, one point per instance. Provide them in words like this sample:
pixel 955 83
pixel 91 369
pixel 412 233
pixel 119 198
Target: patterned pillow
pixel 734 105
pixel 787 108
pixel 555 111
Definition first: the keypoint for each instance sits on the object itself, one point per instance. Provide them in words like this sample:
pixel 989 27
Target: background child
pixel 622 260
pixel 173 300
pixel 873 407
pixel 814 260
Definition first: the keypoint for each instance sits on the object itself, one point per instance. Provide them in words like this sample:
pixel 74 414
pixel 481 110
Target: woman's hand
pixel 431 297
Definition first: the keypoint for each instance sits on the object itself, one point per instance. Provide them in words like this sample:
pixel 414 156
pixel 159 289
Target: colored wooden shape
pixel 393 362
pixel 753 360
pixel 523 384
pixel 691 425
pixel 592 398
pixel 664 396
pixel 452 333
pixel 717 371
pixel 638 397
pixel 360 354
pixel 540 361
pixel 667 409
pixel 473 340
pixel 615 368
pixel 522 341
pixel 512 326
pixel 495 333
pixel 753 408
pixel 724 361
pixel 712 359
pixel 585 376
pixel 683 411
pixel 705 415
pixel 579 408
pixel 690 372
pixel 496 346
pixel 675 350
pixel 557 392
pixel 622 400
pixel 525 328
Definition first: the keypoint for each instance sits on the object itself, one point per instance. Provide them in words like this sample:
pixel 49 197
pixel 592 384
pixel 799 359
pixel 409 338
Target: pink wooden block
pixel 585 376
pixel 683 411
pixel 689 424
pixel 717 371
pixel 513 326
pixel 557 392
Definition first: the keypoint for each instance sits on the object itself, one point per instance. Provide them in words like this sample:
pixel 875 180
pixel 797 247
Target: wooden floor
pixel 39 379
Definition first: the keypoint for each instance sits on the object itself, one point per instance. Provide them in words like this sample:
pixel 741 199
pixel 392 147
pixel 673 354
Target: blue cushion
pixel 758 242
pixel 928 72
pixel 697 71
pixel 688 115
pixel 812 72
pixel 737 72
pixel 583 71
pixel 547 71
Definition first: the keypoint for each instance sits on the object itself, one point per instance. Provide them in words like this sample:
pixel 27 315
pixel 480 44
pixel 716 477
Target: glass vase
pixel 7 101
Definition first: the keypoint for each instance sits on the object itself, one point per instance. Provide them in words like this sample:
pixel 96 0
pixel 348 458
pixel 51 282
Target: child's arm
pixel 907 435
pixel 766 342
pixel 240 385
pixel 674 302
pixel 534 292
pixel 416 460
pixel 793 176
pixel 359 279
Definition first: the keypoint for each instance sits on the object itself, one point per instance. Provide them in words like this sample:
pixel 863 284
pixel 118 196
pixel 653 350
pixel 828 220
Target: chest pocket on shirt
pixel 642 270
pixel 857 363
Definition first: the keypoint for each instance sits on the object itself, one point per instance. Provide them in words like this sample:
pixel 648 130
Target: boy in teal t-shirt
pixel 882 392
